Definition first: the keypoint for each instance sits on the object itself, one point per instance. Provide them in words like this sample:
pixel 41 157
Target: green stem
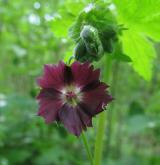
pixel 110 115
pixel 99 139
pixel 87 148
pixel 102 120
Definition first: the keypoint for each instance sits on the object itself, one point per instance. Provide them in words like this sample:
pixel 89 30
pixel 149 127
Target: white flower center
pixel 71 95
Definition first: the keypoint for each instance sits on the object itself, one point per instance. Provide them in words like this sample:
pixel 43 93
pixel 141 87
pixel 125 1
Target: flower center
pixel 71 95
pixel 71 98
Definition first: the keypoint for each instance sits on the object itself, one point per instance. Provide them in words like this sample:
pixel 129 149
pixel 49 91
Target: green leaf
pixel 151 28
pixel 68 54
pixel 58 25
pixel 142 18
pixel 66 15
pixel 119 55
pixel 141 51
pixel 142 15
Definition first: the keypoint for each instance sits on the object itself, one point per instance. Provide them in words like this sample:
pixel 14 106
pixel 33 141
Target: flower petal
pixel 48 93
pixel 49 104
pixel 91 86
pixel 85 117
pixel 68 77
pixel 69 117
pixel 95 99
pixel 84 74
pixel 53 76
pixel 49 110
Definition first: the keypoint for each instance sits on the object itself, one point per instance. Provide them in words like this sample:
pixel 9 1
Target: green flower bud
pixel 95 32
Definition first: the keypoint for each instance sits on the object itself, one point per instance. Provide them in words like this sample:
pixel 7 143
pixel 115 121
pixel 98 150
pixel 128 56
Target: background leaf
pixel 66 15
pixel 142 18
pixel 141 51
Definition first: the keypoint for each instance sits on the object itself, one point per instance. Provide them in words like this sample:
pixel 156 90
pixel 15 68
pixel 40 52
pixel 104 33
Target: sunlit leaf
pixel 66 16
pixel 141 51
pixel 142 18
pixel 143 15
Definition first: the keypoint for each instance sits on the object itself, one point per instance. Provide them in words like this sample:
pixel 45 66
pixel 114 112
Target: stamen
pixel 71 95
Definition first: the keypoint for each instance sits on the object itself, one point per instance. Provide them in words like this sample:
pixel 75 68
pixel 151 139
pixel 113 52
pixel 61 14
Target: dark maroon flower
pixel 71 95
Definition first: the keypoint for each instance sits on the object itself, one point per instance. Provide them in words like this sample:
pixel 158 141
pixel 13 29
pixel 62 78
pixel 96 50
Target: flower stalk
pixel 86 145
pixel 102 120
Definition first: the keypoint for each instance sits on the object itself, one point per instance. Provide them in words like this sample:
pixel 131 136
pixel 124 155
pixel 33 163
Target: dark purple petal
pixel 90 86
pixel 85 108
pixel 84 74
pixel 53 76
pixel 102 105
pixel 85 117
pixel 95 99
pixel 48 109
pixel 68 77
pixel 71 120
pixel 49 104
pixel 48 93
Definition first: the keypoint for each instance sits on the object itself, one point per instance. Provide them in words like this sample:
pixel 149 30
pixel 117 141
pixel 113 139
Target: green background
pixel 32 33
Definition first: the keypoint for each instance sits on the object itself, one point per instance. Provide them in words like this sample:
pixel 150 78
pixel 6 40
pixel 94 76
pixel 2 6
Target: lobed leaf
pixel 141 51
pixel 142 18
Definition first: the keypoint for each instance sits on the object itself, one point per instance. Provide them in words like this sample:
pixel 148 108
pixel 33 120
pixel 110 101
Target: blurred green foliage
pixel 31 34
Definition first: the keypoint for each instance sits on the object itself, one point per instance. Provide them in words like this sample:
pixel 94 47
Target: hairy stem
pixel 87 148
pixel 102 119
pixel 110 113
